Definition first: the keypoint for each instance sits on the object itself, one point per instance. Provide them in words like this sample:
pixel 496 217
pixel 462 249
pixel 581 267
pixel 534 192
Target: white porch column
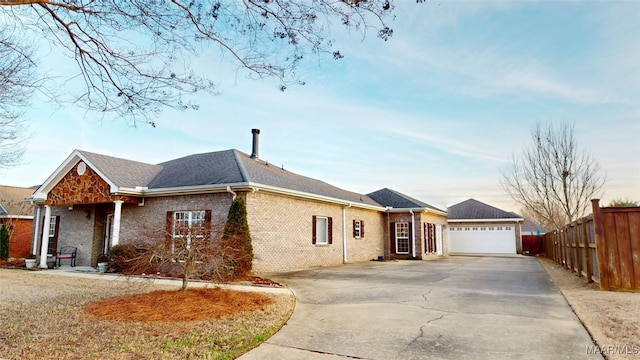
pixel 45 237
pixel 34 243
pixel 117 214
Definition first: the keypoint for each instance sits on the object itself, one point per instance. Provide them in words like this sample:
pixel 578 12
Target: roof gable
pixel 220 167
pixel 116 172
pixel 394 199
pixel 474 209
pixel 121 172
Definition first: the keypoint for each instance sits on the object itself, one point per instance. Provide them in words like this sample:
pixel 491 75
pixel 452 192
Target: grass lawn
pixel 60 317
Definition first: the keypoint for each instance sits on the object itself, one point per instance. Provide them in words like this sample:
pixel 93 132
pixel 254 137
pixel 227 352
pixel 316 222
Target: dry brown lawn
pixel 612 318
pixel 60 317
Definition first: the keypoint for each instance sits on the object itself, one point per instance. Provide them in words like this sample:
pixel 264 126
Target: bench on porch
pixel 67 252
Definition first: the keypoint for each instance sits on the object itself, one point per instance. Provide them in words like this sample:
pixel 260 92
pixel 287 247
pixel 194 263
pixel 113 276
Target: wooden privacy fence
pixel 603 247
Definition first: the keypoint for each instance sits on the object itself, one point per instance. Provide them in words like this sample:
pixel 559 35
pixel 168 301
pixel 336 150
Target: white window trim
pixel 191 220
pixel 324 241
pixel 358 229
pixel 404 224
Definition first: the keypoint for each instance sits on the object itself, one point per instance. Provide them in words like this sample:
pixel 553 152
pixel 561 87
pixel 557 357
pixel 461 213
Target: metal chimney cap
pixel 254 150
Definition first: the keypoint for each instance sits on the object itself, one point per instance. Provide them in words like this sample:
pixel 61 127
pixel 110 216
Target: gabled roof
pixel 121 172
pixel 236 167
pixel 394 199
pixel 202 171
pixel 475 210
pixel 12 201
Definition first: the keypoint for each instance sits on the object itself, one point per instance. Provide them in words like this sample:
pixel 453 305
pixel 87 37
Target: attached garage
pixel 477 228
pixel 482 239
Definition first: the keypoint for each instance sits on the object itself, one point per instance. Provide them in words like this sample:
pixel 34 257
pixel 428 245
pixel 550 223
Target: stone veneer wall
pixel 281 229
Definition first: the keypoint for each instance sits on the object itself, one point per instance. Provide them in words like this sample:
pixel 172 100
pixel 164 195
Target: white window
pixel 321 230
pixel 508 228
pixel 402 238
pixel 52 226
pixel 187 226
pixel 357 228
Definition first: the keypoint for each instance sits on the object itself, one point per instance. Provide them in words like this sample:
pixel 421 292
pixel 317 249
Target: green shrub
pixel 4 242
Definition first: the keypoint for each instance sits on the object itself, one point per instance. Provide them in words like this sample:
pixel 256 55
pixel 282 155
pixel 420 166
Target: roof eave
pixel 487 220
pixel 244 186
pixel 416 209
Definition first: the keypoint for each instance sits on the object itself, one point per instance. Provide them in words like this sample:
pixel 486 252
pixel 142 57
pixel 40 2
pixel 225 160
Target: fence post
pixel 601 250
pixel 587 251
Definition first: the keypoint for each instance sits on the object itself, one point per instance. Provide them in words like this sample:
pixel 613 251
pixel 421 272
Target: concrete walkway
pixel 456 308
pixel 88 272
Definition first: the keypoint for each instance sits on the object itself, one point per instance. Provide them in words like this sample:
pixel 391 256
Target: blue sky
pixel 437 112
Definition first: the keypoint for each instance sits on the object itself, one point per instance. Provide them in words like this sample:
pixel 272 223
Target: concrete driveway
pixel 456 308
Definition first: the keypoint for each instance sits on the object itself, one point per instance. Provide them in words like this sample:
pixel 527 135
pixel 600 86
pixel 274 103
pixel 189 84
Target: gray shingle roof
pixel 474 209
pixel 529 225
pixel 215 168
pixel 122 172
pixel 218 167
pixel 392 198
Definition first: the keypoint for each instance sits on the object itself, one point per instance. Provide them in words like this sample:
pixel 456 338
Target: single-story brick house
pixel 18 217
pixel 477 228
pixel 95 201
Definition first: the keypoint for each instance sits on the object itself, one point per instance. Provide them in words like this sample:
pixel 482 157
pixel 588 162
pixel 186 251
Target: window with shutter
pixel 358 228
pixel 322 230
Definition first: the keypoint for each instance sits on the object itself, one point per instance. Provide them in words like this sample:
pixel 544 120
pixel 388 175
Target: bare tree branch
pixel 553 179
pixel 134 57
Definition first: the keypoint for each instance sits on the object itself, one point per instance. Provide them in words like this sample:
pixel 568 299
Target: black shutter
pixel 361 228
pixel 168 231
pixel 313 229
pixel 330 230
pixel 392 238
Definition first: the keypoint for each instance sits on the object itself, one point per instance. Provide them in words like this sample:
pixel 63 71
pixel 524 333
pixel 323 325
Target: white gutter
pixel 19 217
pixel 413 233
pixel 231 192
pixel 484 220
pixel 344 233
pixel 423 209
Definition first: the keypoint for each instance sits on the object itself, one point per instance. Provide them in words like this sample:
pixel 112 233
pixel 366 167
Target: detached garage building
pixel 478 228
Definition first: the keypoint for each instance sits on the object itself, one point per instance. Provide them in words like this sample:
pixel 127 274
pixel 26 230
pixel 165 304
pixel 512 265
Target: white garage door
pixel 482 239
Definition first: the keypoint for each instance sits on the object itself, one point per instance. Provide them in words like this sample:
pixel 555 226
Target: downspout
pixel 344 233
pixel 413 233
pixel 231 192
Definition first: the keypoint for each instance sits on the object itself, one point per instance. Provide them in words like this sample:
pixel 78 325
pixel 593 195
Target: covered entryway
pixel 482 239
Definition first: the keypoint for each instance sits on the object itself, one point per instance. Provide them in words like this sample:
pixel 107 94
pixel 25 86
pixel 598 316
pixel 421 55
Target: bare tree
pixel 134 57
pixel 16 86
pixel 553 179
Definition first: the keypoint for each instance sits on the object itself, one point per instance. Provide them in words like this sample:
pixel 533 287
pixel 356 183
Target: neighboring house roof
pixel 12 201
pixel 394 199
pixel 530 226
pixel 475 210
